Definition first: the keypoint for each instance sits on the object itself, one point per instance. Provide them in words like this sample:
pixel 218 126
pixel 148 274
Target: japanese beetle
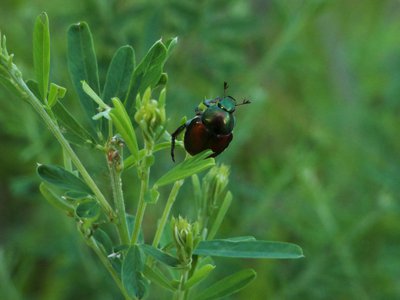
pixel 211 128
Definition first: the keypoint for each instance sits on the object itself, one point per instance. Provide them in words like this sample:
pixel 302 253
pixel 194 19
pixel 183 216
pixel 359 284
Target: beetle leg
pixel 245 101
pixel 174 135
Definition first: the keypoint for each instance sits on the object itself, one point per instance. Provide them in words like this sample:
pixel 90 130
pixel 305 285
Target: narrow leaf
pixel 119 74
pixel 82 65
pixel 222 210
pixel 104 240
pixel 228 286
pixel 56 200
pixel 249 249
pixel 151 196
pixel 199 275
pixel 41 53
pixel 146 74
pixel 157 277
pixel 188 167
pixel 159 255
pixel 61 178
pixel 89 209
pixel 73 130
pixel 124 127
pixel 241 238
pixel 56 92
pixel 131 273
pixel 170 45
pixel 93 95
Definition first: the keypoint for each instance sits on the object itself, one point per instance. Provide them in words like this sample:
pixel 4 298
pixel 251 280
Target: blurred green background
pixel 314 160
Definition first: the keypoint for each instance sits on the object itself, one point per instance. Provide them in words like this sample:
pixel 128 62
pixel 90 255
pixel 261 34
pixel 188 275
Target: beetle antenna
pixel 225 87
pixel 245 101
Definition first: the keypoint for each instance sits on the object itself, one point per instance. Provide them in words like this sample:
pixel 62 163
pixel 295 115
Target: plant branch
pixel 93 244
pixel 144 186
pixel 116 185
pixel 163 220
pixel 55 130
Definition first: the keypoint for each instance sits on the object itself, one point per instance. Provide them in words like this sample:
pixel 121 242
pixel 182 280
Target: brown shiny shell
pixel 198 138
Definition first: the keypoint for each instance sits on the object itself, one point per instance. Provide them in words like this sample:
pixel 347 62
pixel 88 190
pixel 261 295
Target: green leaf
pixel 93 95
pixel 119 74
pixel 82 65
pixel 56 92
pixel 222 210
pixel 75 196
pixel 163 79
pixel 124 127
pixel 131 273
pixel 249 249
pixel 157 277
pixel 147 73
pixel 104 240
pixel 55 199
pixel 188 167
pixel 170 45
pixel 151 196
pixel 41 53
pixel 197 193
pixel 228 286
pixel 72 129
pixel 161 256
pixel 245 238
pixel 89 209
pixel 62 179
pixel 199 275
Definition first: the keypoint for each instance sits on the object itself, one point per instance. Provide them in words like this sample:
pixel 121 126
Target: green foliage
pixel 55 199
pixel 56 93
pixel 119 74
pixel 187 168
pixel 72 189
pixel 248 249
pixel 160 255
pixel 124 127
pixel 41 54
pixel 82 64
pixel 132 269
pixel 74 131
pixel 62 179
pixel 88 209
pixel 227 286
pixel 147 73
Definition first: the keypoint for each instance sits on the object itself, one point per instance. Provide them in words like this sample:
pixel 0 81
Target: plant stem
pixel 67 161
pixel 55 130
pixel 181 293
pixel 116 185
pixel 163 220
pixel 92 243
pixel 141 205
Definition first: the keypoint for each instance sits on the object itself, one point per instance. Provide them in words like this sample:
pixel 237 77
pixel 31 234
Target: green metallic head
pixel 228 104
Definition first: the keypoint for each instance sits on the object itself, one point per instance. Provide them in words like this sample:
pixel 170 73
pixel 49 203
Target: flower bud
pixel 214 185
pixel 186 237
pixel 150 115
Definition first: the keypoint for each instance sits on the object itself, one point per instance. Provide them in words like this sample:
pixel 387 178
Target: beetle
pixel 211 128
